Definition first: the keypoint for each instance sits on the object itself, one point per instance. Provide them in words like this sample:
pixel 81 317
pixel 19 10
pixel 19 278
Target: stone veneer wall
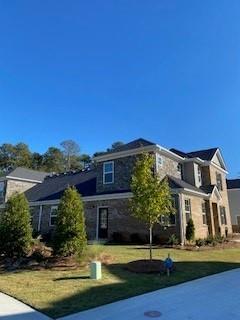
pixel 15 186
pixel 123 169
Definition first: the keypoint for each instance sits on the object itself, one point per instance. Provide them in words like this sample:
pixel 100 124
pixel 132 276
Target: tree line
pixel 67 157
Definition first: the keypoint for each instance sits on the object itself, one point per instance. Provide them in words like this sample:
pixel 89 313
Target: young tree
pixel 190 230
pixel 151 197
pixel 70 235
pixel 15 227
pixel 71 151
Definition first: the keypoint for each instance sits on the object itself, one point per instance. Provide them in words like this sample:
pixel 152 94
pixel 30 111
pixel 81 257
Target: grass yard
pixel 58 293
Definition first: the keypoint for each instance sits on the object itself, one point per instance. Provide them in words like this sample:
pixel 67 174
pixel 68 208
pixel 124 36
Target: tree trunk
pixel 150 242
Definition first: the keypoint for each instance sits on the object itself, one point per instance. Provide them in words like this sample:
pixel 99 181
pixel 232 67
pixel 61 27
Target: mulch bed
pixel 146 266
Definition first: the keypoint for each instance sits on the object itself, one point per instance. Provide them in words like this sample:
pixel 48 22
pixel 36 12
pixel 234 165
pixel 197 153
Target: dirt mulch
pixel 146 266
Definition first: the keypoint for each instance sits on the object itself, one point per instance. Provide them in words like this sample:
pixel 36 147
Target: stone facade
pixel 16 186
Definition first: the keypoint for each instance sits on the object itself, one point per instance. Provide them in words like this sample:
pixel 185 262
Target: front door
pixel 103 223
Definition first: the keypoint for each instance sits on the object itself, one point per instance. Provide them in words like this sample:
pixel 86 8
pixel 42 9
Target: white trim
pixel 196 159
pixel 169 153
pixel 22 179
pixel 54 215
pixel 218 152
pixel 110 172
pixel 97 224
pixel 40 218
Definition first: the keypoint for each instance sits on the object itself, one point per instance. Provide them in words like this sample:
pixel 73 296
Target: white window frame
pixel 188 212
pixel 199 174
pixel 159 164
pixel 112 172
pixel 53 208
pixel 204 212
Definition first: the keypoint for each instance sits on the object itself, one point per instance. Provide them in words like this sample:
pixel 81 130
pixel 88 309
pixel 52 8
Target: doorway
pixel 103 223
pixel 216 218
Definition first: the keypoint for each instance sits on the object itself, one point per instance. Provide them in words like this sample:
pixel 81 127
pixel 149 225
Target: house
pixel 197 180
pixel 233 187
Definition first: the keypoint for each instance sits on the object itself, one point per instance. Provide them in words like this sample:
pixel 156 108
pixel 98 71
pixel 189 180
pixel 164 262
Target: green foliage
pixel 190 230
pixel 151 197
pixel 15 227
pixel 70 235
pixel 200 242
pixel 53 160
pixel 173 240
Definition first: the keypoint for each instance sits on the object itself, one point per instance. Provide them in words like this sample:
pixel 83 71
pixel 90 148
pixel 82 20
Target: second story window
pixel 108 172
pixel 188 209
pixel 199 175
pixel 219 181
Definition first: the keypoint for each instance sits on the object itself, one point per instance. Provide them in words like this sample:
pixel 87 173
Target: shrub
pixel 70 235
pixel 15 227
pixel 200 242
pixel 137 238
pixel 173 240
pixel 120 237
pixel 190 230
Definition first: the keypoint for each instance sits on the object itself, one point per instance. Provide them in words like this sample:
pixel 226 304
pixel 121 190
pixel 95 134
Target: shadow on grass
pixel 72 278
pixel 130 284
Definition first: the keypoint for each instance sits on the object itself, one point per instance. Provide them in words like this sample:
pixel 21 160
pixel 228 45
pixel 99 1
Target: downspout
pixel 40 218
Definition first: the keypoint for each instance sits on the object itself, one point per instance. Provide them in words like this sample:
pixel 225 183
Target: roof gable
pixel 21 173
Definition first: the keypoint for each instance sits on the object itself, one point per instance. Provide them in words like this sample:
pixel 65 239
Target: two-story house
pixel 233 186
pixel 197 181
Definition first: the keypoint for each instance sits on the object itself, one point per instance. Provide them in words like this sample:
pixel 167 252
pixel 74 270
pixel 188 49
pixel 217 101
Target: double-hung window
pixel 188 209
pixel 53 216
pixel 219 181
pixel 204 212
pixel 2 185
pixel 223 215
pixel 199 175
pixel 108 172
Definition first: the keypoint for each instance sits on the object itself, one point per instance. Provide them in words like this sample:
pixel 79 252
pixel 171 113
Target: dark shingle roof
pixel 209 188
pixel 53 187
pixel 202 154
pixel 138 143
pixel 175 183
pixel 233 183
pixel 28 174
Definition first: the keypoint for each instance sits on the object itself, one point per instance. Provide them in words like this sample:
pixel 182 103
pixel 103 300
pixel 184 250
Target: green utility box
pixel 96 270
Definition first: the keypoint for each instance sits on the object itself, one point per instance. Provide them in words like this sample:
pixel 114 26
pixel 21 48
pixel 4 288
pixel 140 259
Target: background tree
pixel 85 160
pixel 190 230
pixel 37 161
pixel 70 235
pixel 22 155
pixel 7 157
pixel 115 145
pixel 53 160
pixel 15 227
pixel 71 152
pixel 151 197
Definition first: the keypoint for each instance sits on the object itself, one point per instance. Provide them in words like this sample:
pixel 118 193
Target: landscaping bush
pixel 190 230
pixel 15 227
pixel 173 240
pixel 201 242
pixel 137 238
pixel 120 237
pixel 70 235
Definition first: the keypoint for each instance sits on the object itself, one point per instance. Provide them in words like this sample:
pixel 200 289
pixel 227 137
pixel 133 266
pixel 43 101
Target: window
pixel 204 212
pixel 223 215
pixel 219 181
pixel 199 175
pixel 169 220
pixel 53 215
pixel 108 172
pixel 188 209
pixel 159 160
pixel 1 192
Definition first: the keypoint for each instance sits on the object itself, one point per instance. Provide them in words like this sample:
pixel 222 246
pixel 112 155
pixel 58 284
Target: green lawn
pixel 58 293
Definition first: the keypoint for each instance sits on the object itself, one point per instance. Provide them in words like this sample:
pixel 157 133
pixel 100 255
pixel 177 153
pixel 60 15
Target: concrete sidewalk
pixel 211 298
pixel 12 309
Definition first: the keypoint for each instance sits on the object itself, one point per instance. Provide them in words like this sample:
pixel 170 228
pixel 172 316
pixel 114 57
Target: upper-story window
pixel 188 209
pixel 199 174
pixel 108 172
pixel 219 181
pixel 1 192
pixel 159 160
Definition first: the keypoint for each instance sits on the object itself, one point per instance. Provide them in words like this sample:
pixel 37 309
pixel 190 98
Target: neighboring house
pixel 233 186
pixel 197 181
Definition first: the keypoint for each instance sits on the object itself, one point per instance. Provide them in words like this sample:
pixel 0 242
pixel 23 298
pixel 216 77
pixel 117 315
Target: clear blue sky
pixel 100 71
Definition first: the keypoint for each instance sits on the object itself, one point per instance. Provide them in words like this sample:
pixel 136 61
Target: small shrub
pixel 200 242
pixel 190 230
pixel 173 240
pixel 120 237
pixel 137 238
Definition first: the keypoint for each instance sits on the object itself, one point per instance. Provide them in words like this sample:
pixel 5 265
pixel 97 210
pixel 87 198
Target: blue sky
pixel 101 71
